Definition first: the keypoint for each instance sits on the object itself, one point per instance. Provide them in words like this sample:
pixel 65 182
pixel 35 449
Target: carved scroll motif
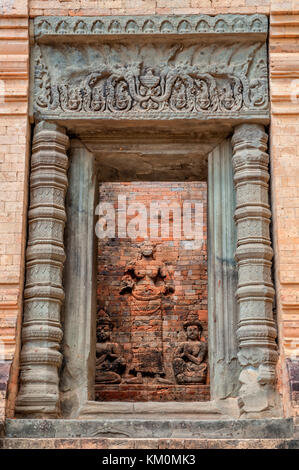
pixel 136 89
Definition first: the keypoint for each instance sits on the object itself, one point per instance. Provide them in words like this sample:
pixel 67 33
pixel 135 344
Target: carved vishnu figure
pixel 188 363
pixel 146 281
pixel 109 362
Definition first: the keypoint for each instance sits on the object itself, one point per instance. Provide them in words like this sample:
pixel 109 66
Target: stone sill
pixel 154 410
pixel 150 428
pixel 98 443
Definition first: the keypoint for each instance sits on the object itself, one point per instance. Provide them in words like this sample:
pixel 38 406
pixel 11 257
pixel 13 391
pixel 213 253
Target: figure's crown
pixel 103 318
pixel 192 319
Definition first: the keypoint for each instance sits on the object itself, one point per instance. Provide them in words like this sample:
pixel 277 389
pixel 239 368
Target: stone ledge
pixel 151 429
pixel 90 443
pixel 49 27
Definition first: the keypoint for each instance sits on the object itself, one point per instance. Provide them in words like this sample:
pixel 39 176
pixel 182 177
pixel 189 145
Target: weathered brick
pixel 190 288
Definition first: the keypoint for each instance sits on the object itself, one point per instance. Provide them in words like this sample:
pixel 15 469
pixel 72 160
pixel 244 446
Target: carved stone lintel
pixel 43 295
pixel 151 81
pixel 257 331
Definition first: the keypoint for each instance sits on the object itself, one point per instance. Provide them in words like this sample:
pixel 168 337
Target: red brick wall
pixel 284 21
pixel 188 270
pixel 151 7
pixel 14 163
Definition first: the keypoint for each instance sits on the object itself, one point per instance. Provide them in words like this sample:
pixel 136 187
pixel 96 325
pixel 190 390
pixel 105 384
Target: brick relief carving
pixel 43 295
pixel 46 27
pixel 109 362
pixel 188 364
pixel 146 281
pixel 158 80
pixel 257 331
pixel 148 318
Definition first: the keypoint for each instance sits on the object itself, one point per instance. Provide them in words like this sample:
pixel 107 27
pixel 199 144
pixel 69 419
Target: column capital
pixel 253 134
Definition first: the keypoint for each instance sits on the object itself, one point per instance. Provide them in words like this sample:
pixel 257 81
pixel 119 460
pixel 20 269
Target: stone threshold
pixel 110 443
pixel 150 429
pixel 171 409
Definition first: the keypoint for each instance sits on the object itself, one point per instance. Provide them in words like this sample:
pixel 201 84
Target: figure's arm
pixel 194 359
pixel 100 357
pixel 198 359
pixel 115 352
pixel 203 351
pixel 179 352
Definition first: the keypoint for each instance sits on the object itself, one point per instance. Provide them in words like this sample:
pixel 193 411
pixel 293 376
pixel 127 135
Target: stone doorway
pixel 198 81
pixel 188 161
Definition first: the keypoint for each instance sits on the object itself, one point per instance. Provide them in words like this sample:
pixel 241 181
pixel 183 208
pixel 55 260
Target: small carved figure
pixel 226 96
pixel 97 99
pixel 202 94
pixel 188 364
pixel 179 91
pixel 109 362
pixel 257 92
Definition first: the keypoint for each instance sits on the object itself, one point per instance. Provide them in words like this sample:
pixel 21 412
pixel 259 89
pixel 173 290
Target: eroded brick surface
pixel 185 266
pixel 14 133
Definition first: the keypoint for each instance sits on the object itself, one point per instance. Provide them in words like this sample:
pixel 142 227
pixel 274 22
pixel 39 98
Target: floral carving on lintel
pixel 174 86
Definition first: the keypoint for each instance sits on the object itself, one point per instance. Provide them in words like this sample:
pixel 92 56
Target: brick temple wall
pixel 14 146
pixel 284 151
pixel 284 137
pixel 148 7
pixel 187 265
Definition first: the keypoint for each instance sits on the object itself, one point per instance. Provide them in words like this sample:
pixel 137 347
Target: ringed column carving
pixel 43 294
pixel 256 329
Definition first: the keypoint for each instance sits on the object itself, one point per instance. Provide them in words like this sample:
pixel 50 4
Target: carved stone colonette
pixel 44 295
pixel 201 75
pixel 257 331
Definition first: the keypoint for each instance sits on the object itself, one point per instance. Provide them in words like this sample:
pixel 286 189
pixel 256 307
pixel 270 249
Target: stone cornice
pixel 46 28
